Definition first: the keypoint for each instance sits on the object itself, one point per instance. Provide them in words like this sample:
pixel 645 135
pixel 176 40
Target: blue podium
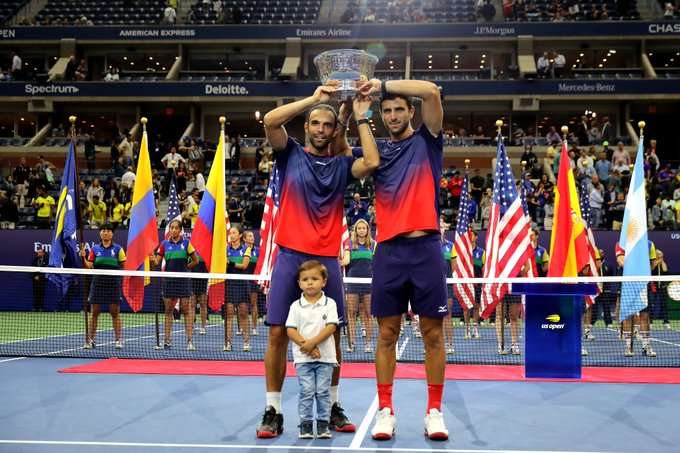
pixel 553 328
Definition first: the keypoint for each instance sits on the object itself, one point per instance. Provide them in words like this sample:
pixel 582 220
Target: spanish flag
pixel 569 240
pixel 209 236
pixel 143 230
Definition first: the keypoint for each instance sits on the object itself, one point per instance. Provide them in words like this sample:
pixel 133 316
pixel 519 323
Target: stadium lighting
pixel 612 51
pixel 257 114
pixel 581 54
pixel 600 65
pixel 429 67
pixel 150 58
pixel 125 58
pixel 484 55
pixel 429 56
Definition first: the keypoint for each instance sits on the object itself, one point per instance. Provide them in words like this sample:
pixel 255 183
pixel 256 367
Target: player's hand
pixel 361 105
pixel 345 111
pixel 323 93
pixel 315 354
pixel 369 87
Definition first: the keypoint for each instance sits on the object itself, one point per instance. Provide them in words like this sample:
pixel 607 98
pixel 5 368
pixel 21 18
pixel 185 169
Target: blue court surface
pixel 45 411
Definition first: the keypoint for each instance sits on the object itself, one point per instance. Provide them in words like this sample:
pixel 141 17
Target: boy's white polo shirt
pixel 310 319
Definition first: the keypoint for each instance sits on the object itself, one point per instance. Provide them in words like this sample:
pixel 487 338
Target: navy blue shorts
pixel 409 270
pixel 238 291
pixel 284 289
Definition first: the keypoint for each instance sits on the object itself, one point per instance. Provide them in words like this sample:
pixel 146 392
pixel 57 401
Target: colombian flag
pixel 209 236
pixel 143 230
pixel 569 241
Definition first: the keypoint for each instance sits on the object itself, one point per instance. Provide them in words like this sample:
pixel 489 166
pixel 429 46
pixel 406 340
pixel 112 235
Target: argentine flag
pixel 634 242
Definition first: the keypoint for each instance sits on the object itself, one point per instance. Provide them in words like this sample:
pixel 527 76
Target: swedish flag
pixel 65 241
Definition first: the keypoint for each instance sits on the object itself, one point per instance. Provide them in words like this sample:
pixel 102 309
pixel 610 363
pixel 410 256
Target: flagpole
pixel 222 120
pixel 72 119
pixel 499 128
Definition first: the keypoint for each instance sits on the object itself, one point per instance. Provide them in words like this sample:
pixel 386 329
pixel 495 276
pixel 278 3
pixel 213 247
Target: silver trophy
pixel 347 66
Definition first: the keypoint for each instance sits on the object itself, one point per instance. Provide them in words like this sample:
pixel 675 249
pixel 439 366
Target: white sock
pixel 274 400
pixel 334 394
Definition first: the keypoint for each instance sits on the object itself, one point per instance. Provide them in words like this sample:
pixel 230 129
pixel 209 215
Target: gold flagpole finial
pixel 467 164
pixel 72 119
pixel 144 120
pixel 499 125
pixel 565 131
pixel 524 165
pixel 641 125
pixel 223 120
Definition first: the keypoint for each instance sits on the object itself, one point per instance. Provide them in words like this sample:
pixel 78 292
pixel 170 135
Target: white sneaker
pixel 628 352
pixel 584 352
pixel 589 336
pixel 475 333
pixel 202 331
pixel 246 347
pixel 368 349
pixel 254 332
pixel 450 350
pixel 667 326
pixel 417 333
pixel 435 428
pixel 238 332
pixel 467 335
pixel 190 346
pixel 648 351
pixel 119 344
pixel 383 429
pixel 349 348
pixel 227 347
pixel 502 351
pixel 514 349
pixel 89 345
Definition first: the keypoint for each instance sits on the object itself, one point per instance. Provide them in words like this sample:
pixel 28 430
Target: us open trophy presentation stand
pixel 553 328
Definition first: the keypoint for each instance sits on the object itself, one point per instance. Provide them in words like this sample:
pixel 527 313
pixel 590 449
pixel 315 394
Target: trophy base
pixel 345 94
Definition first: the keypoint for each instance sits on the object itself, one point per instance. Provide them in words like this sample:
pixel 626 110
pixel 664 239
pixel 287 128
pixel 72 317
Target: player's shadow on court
pixel 455 401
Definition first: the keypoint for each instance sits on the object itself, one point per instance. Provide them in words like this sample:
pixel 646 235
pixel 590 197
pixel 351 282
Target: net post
pixel 224 317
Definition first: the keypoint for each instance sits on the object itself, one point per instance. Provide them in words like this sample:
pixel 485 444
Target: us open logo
pixel 554 323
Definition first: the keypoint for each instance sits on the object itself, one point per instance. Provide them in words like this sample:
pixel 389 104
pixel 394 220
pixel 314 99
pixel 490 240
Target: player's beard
pixel 399 131
pixel 323 148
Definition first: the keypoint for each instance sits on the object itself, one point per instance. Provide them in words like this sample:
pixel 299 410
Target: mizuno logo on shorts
pixel 442 309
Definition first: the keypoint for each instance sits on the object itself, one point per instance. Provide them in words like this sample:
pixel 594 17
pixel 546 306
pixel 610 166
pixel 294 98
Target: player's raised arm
pixel 275 120
pixel 364 166
pixel 433 112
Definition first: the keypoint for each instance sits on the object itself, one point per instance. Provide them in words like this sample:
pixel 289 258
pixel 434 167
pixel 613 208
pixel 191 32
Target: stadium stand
pixel 9 8
pixel 99 12
pixel 264 12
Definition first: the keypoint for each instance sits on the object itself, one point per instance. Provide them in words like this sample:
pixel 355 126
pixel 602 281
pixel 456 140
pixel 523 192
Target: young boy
pixel 311 322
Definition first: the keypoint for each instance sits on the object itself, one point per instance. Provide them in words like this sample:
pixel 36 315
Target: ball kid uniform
pixel 360 265
pixel 237 290
pixel 407 187
pixel 254 255
pixel 542 257
pixel 478 260
pixel 199 285
pixel 311 208
pixel 105 289
pixel 176 255
pixel 448 253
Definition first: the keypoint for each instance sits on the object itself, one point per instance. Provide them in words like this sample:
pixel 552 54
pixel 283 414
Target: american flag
pixel 268 248
pixel 507 241
pixel 173 211
pixel 464 268
pixel 532 270
pixel 173 207
pixel 584 202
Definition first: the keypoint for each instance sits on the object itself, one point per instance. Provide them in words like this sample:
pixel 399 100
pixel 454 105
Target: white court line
pixel 358 438
pixel 270 447
pixel 12 359
pixel 651 338
pixel 71 334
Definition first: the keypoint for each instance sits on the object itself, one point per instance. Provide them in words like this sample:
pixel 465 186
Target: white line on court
pixel 372 409
pixel 269 447
pixel 651 338
pixel 12 359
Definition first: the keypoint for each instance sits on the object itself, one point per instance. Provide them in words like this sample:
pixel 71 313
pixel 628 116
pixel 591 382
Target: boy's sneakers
pixel 383 429
pixel 306 430
pixel 475 333
pixel 339 421
pixel 322 430
pixel 272 424
pixel 450 350
pixel 435 428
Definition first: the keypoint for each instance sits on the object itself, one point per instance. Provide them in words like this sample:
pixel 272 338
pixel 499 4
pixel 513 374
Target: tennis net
pixel 92 319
